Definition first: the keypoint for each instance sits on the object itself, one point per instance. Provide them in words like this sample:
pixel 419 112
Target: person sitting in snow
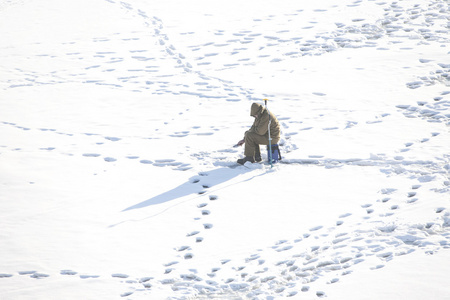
pixel 258 134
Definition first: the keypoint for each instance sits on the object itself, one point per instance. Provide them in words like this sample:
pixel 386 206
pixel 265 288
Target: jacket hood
pixel 256 109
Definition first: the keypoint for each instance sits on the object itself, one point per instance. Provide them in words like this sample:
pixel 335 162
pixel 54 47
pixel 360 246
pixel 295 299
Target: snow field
pixel 118 176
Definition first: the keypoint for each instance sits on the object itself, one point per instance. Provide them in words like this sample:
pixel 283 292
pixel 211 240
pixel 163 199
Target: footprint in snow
pixel 411 194
pixel 193 233
pixel 182 248
pixel 439 210
pixel 91 155
pixel 68 272
pixel 387 191
pixel 112 139
pixel 89 276
pixel 334 280
pixel 330 128
pixel 145 279
pixel 166 162
pixel 170 264
pixel 132 157
pixel 377 267
pixel 39 275
pixel 320 294
pixel 147 162
pixel 27 272
pixel 345 215
pixel 126 294
pixel 119 275
pixel 285 248
pixel 386 256
pixel 411 200
pixel 316 228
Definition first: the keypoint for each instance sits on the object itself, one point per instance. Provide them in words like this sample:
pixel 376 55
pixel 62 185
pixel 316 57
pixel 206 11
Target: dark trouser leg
pixel 252 142
pixel 257 154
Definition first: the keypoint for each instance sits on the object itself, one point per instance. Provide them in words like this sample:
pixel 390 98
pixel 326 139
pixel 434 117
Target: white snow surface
pixel 118 179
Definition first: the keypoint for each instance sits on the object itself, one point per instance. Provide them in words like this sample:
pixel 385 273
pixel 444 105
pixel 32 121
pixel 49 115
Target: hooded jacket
pixel 260 125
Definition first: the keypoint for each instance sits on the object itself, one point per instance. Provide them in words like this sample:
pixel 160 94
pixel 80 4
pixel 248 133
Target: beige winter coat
pixel 260 125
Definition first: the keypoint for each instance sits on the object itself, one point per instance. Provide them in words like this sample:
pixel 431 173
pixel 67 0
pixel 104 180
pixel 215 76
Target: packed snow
pixel 118 175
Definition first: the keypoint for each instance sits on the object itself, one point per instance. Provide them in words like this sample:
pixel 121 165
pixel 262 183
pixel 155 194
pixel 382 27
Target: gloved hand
pixel 240 143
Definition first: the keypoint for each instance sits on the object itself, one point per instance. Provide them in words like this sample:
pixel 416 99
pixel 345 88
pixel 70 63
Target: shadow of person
pixel 196 185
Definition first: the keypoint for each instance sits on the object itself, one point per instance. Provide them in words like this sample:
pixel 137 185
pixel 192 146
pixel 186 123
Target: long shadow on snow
pixel 198 184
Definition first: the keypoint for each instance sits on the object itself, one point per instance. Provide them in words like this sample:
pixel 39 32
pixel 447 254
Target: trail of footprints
pixel 233 49
pixel 139 70
pixel 333 252
pixel 203 211
pixel 330 252
pixel 205 87
pixel 176 165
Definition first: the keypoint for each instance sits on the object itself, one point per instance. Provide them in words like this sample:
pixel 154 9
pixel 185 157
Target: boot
pixel 245 159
